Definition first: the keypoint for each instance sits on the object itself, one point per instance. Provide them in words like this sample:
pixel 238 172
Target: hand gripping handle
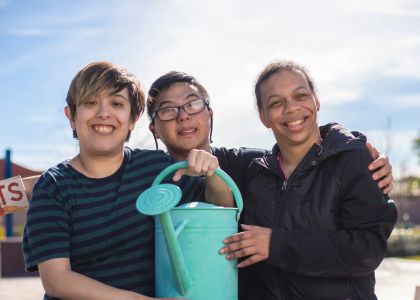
pixel 232 185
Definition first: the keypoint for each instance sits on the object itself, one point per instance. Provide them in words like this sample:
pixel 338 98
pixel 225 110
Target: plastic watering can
pixel 188 239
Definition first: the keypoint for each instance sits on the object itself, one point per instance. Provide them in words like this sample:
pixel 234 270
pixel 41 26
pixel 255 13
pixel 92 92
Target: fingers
pixel 250 227
pixel 255 251
pixel 238 237
pixel 388 189
pixel 241 244
pixel 252 260
pixel 375 153
pixel 383 171
pixel 243 252
pixel 378 163
pixel 213 164
pixel 387 178
pixel 192 160
pixel 201 162
pixel 178 174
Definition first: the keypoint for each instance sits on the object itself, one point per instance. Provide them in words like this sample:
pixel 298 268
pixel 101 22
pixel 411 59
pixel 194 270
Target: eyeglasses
pixel 171 113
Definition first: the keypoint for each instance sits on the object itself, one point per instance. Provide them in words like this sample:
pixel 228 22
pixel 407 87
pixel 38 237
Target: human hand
pixel 254 242
pixel 381 161
pixel 200 163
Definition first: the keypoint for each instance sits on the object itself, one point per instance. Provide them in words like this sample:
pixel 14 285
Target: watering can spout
pixel 179 268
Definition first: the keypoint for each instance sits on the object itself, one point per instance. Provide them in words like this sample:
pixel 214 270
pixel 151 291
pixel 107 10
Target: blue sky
pixel 363 55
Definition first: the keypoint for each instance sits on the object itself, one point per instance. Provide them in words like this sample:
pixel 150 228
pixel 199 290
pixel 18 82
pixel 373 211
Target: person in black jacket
pixel 316 221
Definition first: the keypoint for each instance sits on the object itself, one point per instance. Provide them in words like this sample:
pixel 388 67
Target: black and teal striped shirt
pixel 94 222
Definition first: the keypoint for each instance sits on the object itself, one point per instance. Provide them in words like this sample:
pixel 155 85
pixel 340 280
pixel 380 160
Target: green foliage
pixel 403 245
pixel 18 230
pixel 416 145
pixel 413 186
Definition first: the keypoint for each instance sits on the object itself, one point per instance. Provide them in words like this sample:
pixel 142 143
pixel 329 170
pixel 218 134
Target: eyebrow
pixel 164 102
pixel 278 95
pixel 169 101
pixel 191 95
pixel 120 96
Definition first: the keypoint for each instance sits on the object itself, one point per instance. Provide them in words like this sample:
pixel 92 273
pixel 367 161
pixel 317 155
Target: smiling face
pixel 102 123
pixel 186 132
pixel 289 108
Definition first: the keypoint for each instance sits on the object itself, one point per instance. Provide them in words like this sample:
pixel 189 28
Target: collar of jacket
pixel 335 139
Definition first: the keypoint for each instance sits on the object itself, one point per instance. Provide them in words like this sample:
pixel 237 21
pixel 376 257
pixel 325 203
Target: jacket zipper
pixel 283 188
pixel 280 202
pixel 279 205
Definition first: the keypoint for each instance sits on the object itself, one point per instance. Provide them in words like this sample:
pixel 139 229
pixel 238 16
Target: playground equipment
pixel 188 263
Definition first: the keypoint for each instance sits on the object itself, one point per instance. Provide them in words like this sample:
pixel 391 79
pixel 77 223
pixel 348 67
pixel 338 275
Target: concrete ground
pixel 396 279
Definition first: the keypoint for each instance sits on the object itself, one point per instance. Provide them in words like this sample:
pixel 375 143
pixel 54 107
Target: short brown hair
pixel 277 67
pixel 100 76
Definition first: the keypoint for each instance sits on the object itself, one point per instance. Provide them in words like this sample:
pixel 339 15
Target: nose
pixel 183 116
pixel 291 106
pixel 103 111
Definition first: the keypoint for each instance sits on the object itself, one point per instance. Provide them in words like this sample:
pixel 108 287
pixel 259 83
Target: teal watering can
pixel 188 239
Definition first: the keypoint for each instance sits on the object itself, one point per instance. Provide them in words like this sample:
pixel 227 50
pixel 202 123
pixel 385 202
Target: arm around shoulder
pixel 28 184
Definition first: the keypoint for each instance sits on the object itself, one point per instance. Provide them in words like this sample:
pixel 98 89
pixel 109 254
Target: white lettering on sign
pixel 12 195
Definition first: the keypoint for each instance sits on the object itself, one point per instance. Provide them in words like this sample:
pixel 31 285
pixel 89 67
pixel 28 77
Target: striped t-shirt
pixel 94 222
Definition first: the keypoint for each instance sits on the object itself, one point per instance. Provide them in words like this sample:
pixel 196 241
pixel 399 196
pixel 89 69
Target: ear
pixel 263 118
pixel 133 123
pixel 318 105
pixel 71 119
pixel 152 129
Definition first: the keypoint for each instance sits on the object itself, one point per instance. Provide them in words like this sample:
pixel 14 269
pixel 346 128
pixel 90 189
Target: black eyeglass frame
pixel 206 104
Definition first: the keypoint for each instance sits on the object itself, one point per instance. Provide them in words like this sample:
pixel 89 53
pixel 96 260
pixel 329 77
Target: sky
pixel 363 55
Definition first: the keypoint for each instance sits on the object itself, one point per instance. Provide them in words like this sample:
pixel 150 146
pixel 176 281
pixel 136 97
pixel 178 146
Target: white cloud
pixel 409 101
pixel 29 32
pixel 37 119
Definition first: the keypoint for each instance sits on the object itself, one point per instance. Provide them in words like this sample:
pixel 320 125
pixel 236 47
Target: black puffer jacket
pixel 330 222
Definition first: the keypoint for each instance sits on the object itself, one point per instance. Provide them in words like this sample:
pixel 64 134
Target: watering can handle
pixel 218 172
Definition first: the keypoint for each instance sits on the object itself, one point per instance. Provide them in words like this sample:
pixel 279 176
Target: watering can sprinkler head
pixel 158 199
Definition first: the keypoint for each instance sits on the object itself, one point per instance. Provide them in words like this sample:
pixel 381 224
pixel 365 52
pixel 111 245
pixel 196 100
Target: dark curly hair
pixel 277 67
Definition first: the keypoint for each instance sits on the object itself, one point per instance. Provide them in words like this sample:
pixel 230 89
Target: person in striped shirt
pixel 83 232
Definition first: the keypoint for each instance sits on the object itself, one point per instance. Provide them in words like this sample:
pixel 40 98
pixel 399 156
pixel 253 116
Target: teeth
pixel 106 129
pixel 295 123
pixel 191 130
